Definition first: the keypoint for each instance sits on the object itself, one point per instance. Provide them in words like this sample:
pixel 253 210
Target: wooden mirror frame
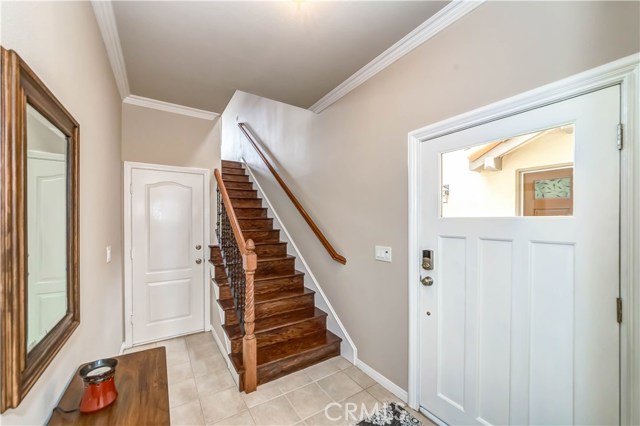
pixel 21 369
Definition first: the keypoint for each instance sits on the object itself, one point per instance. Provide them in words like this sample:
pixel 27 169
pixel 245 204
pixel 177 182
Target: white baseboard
pixel 122 348
pixel 386 383
pixel 223 350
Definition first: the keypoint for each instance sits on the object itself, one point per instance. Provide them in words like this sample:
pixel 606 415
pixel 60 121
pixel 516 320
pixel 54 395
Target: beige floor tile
pixel 177 356
pixel 277 412
pixel 359 376
pixel 241 419
pixel 179 372
pixel 182 392
pixel 189 414
pixel 383 395
pixel 214 382
pixel 359 406
pixel 322 369
pixel 174 344
pixel 206 365
pixel 293 381
pixel 308 400
pixel 198 339
pixel 334 415
pixel 204 351
pixel 339 386
pixel 221 405
pixel 140 348
pixel 341 362
pixel 263 394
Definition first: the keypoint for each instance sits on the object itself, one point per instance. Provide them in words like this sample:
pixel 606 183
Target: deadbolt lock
pixel 198 247
pixel 198 261
pixel 427 260
pixel 427 281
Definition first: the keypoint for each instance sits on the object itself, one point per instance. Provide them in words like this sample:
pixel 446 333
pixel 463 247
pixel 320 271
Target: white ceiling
pixel 198 53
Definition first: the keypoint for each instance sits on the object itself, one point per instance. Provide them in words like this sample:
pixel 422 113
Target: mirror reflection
pixel 46 226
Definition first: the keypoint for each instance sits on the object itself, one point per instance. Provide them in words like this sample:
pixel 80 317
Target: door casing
pixel 624 72
pixel 128 265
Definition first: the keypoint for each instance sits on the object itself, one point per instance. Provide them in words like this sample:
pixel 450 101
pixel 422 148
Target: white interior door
pixel 167 241
pixel 47 228
pixel 519 325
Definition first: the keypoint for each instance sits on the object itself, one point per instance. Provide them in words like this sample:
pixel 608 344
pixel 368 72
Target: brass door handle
pixel 427 281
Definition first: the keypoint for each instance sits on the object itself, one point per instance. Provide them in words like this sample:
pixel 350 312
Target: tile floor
pixel 202 390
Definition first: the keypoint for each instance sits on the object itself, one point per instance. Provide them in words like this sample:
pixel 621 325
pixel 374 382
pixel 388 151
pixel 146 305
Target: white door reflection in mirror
pixel 46 226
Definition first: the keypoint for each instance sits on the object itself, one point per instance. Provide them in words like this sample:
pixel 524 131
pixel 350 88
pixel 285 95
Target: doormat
pixel 390 414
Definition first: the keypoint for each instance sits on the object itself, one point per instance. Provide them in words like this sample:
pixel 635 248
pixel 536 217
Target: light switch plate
pixel 108 254
pixel 383 253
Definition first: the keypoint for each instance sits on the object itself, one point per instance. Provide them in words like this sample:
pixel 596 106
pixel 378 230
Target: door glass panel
pixel 523 175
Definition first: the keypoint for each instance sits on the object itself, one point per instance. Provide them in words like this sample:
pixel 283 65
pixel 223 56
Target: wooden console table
pixel 143 396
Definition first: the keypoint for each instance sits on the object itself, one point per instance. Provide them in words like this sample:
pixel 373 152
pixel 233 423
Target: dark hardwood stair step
pixel 235 164
pixel 270 249
pixel 255 223
pixel 226 177
pixel 281 328
pixel 233 171
pixel 247 212
pixel 292 282
pixel 280 359
pixel 275 266
pixel 238 185
pixel 246 202
pixel 275 303
pixel 242 193
pixel 262 235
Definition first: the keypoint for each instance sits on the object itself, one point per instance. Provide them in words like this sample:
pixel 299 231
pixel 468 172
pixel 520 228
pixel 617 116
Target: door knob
pixel 427 281
pixel 198 261
pixel 198 247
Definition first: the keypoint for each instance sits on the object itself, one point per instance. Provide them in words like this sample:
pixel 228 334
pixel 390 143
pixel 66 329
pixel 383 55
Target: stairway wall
pixel 62 43
pixel 348 164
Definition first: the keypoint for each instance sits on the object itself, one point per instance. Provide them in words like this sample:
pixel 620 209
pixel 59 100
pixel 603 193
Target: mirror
pixel 39 222
pixel 46 226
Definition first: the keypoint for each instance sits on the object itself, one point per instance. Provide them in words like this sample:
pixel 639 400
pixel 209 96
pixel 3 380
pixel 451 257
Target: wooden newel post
pixel 249 348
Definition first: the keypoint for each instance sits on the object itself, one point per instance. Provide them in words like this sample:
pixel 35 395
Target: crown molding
pixel 169 107
pixel 109 30
pixel 429 28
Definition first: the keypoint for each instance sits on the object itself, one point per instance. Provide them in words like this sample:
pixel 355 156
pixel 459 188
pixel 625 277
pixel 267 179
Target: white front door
pixel 519 325
pixel 167 241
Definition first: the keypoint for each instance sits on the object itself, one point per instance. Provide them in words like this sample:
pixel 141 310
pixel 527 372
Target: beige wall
pixel 348 164
pixel 62 44
pixel 160 137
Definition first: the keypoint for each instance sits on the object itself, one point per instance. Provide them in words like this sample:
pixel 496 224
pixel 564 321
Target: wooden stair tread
pixel 271 296
pixel 271 323
pixel 293 348
pixel 269 278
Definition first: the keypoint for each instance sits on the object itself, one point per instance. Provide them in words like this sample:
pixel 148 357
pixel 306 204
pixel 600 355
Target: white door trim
pixel 626 73
pixel 128 267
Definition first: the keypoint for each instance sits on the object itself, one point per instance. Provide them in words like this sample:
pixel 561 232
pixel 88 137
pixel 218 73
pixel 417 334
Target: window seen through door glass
pixel 524 175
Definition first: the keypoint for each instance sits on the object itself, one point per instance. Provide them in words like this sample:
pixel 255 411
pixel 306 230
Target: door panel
pixel 519 326
pixel 168 269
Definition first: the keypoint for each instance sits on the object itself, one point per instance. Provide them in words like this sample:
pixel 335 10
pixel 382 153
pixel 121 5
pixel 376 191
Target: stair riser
pixel 246 202
pixel 220 274
pixel 282 334
pixel 271 250
pixel 214 255
pixel 249 212
pixel 238 185
pixel 232 171
pixel 279 284
pixel 262 223
pixel 262 236
pixel 237 193
pixel 229 163
pixel 272 371
pixel 226 177
pixel 267 309
pixel 230 317
pixel 275 267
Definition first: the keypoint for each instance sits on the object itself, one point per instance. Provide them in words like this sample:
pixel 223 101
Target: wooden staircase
pixel 290 331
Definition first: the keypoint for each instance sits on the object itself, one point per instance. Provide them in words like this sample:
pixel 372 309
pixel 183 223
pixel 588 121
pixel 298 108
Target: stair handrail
pixel 327 245
pixel 249 265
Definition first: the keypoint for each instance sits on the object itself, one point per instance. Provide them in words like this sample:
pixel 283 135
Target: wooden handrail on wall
pixel 249 264
pixel 332 252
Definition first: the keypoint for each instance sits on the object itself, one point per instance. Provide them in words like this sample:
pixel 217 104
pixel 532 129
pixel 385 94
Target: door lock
pixel 427 281
pixel 198 247
pixel 198 261
pixel 427 260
